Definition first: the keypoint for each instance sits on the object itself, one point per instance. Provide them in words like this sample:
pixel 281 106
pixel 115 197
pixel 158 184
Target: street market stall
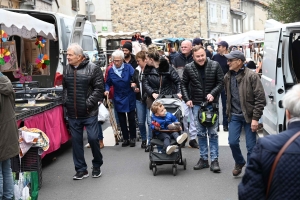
pixel 35 107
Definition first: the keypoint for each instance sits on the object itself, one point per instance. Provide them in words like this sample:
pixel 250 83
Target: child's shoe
pixel 170 149
pixel 181 138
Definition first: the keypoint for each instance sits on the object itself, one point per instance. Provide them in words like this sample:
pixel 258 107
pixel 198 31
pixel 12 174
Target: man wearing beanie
pixel 129 58
pixel 198 41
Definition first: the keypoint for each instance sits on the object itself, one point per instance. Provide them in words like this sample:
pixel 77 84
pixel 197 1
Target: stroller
pixel 172 105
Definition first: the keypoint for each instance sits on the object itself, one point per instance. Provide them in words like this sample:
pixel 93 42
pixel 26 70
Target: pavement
pixel 126 175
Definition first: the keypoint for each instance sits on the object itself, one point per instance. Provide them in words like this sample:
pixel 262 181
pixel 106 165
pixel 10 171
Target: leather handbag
pixel 277 158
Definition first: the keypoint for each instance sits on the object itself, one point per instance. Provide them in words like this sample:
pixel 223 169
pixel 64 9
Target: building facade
pixel 169 18
pixel 219 19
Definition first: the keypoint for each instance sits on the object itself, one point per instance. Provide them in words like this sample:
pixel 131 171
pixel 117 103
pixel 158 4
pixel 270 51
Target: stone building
pixel 9 4
pixel 219 19
pixel 248 15
pixel 169 18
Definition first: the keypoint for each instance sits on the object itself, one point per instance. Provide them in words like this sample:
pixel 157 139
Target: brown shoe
pixel 101 144
pixel 237 169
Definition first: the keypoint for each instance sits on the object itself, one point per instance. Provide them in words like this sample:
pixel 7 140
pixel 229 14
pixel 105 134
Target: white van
pixel 280 71
pixel 68 30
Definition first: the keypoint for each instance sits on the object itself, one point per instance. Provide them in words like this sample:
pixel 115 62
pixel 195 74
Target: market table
pixel 52 123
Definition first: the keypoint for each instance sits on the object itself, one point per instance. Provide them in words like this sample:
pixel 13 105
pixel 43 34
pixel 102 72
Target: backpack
pixel 208 114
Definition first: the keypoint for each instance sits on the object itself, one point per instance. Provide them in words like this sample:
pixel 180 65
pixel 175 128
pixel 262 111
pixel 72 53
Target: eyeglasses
pixel 117 60
pixel 231 60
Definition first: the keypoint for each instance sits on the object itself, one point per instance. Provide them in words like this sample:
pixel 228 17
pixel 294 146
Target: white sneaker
pixel 181 138
pixel 170 149
pixel 87 145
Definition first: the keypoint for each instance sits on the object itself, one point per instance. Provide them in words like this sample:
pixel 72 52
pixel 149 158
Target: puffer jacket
pixel 252 95
pixel 151 81
pixel 163 121
pixel 83 89
pixel 285 182
pixel 9 142
pixel 191 80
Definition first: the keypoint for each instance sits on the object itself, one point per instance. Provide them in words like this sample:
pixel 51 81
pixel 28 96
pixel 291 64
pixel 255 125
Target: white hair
pixel 117 53
pixel 76 48
pixel 291 101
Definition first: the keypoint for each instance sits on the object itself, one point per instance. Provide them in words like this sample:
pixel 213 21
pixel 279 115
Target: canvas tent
pixel 239 39
pixel 25 26
pixel 118 35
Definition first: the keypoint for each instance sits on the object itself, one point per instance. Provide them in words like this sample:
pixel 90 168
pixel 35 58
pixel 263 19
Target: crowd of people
pixel 197 76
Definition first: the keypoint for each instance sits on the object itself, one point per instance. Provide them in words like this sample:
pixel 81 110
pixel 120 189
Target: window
pixel 251 23
pixel 246 23
pixel 234 25
pixel 75 5
pixel 224 10
pixel 87 43
pixel 213 12
pixel 239 26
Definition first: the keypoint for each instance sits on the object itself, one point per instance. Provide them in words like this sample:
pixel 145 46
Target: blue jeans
pixel 235 128
pixel 6 180
pixel 149 122
pixel 92 128
pixel 166 138
pixel 142 113
pixel 202 132
pixel 224 100
pixel 100 133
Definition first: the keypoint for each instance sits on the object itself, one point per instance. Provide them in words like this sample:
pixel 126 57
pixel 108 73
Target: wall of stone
pixel 261 16
pixel 168 18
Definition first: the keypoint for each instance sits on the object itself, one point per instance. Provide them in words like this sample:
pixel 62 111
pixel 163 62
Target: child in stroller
pixel 166 129
pixel 163 120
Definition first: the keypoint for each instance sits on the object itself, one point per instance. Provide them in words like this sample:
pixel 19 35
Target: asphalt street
pixel 126 175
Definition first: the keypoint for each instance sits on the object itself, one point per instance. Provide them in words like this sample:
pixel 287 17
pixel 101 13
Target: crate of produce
pixel 31 161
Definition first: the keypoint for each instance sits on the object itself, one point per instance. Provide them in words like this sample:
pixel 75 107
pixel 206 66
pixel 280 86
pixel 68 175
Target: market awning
pixel 25 26
pixel 239 39
pixel 118 35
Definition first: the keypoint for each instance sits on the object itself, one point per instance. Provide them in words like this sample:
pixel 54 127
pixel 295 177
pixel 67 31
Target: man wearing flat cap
pixel 245 104
pixel 129 58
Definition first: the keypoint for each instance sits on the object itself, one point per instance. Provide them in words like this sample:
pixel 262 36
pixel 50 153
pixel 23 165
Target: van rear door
pixel 272 80
pixel 77 31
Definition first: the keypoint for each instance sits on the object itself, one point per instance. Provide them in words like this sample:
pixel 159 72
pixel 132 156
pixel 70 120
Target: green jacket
pixel 252 94
pixel 9 136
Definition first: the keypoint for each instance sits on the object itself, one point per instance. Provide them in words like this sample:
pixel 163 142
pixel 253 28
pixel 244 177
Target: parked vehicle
pixel 280 71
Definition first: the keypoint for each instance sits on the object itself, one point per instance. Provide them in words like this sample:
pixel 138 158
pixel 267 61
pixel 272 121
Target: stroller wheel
pixel 150 165
pixel 184 164
pixel 154 170
pixel 174 170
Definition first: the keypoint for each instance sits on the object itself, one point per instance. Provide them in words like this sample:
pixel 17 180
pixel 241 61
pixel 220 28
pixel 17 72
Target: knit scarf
pixel 119 70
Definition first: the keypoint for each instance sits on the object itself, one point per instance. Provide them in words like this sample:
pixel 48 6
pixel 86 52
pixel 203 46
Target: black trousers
pixel 123 124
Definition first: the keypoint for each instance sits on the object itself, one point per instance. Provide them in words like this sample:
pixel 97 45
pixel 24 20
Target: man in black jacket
pixel 83 88
pixel 203 78
pixel 184 58
pixel 129 57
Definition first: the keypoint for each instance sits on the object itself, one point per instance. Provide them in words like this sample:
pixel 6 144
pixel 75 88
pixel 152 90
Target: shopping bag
pixel 103 113
pixel 26 185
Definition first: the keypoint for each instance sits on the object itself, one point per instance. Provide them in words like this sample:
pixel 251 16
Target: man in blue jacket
pixel 285 181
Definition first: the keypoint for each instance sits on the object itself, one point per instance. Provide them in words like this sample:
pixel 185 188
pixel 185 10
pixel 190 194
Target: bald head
pixel 186 47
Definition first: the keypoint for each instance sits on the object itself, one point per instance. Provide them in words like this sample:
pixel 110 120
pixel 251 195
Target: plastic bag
pixel 103 113
pixel 26 185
